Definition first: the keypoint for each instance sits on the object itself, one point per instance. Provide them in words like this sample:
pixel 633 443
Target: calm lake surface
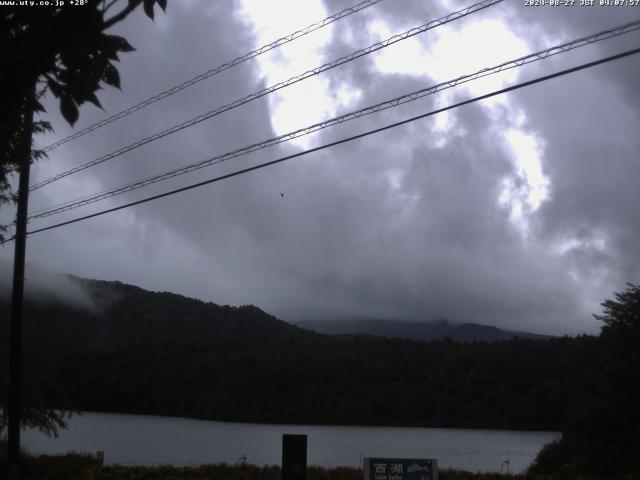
pixel 149 440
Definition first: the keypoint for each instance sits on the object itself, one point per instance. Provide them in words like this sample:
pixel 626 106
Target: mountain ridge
pixel 415 330
pixel 116 315
pixel 107 315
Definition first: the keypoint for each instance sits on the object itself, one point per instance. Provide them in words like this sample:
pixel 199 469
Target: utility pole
pixel 15 348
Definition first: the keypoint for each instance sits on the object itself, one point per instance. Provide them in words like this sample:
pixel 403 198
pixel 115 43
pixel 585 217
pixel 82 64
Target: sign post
pixel 294 457
pixel 400 469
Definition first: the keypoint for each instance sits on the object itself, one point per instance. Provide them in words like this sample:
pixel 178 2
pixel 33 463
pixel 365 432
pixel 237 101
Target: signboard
pixel 400 469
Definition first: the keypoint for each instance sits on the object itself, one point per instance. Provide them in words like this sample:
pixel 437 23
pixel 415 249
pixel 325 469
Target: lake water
pixel 149 440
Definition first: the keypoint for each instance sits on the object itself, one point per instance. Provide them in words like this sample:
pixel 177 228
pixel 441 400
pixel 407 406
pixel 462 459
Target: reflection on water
pixel 141 439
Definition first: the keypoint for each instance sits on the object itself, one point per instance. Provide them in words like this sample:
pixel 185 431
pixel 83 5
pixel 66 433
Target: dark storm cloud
pixel 592 148
pixel 593 164
pixel 404 224
pixel 524 291
pixel 440 246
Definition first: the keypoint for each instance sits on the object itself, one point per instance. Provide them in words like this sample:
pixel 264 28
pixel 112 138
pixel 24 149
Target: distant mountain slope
pixel 426 331
pixel 115 315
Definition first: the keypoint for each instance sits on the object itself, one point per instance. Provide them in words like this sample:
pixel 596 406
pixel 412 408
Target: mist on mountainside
pixel 42 284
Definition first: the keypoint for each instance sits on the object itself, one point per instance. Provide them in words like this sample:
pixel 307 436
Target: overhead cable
pixel 394 102
pixel 214 71
pixel 344 140
pixel 266 91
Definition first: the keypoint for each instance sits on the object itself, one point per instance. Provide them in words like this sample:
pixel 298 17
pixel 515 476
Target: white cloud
pixel 527 187
pixel 306 102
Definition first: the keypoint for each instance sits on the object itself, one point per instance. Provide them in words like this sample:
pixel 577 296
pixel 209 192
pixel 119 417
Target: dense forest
pixel 516 384
pixel 134 351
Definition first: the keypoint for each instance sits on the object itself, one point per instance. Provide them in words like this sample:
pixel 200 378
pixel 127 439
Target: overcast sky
pixel 519 211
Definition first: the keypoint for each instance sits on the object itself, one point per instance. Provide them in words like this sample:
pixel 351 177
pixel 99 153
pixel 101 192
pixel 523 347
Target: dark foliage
pixel 62 50
pixel 68 48
pixel 518 384
pixel 602 435
pixel 65 51
pixel 69 466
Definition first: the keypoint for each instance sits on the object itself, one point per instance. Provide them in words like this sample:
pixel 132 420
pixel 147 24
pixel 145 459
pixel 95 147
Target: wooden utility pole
pixel 14 405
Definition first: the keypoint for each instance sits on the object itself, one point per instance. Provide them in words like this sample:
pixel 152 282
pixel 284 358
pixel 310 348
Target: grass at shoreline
pixel 82 466
pixel 252 472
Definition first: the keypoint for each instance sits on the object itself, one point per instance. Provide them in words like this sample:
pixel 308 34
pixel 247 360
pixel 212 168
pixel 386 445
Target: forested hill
pixel 124 349
pixel 113 315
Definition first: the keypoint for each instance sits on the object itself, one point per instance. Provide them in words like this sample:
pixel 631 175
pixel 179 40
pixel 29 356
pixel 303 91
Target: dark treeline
pixel 515 384
pixel 520 384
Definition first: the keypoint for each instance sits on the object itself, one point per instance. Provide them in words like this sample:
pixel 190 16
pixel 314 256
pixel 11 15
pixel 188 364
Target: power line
pixel 533 57
pixel 214 71
pixel 357 54
pixel 254 96
pixel 344 140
